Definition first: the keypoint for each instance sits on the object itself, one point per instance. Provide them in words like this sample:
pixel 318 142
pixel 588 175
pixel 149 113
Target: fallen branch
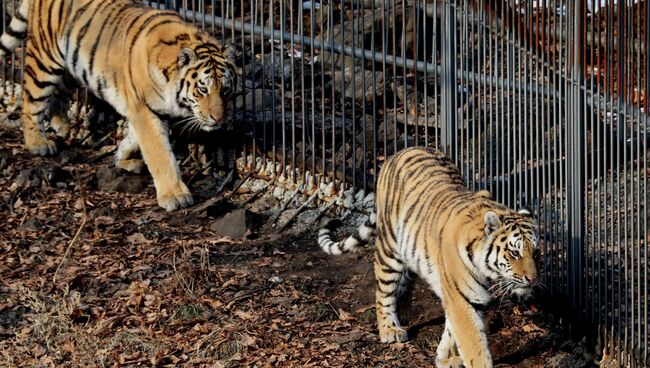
pixel 79 230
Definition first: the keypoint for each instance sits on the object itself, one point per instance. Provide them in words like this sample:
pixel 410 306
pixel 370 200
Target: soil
pixel 92 277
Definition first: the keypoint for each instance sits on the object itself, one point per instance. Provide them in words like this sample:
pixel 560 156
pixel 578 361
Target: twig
pixel 299 210
pixel 284 207
pixel 217 195
pixel 255 195
pixel 235 189
pixel 81 227
pixel 324 209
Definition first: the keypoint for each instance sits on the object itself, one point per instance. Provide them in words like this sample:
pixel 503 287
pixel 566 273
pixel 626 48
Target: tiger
pixel 149 65
pixel 467 247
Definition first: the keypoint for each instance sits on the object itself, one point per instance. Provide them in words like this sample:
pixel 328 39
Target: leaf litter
pixel 137 286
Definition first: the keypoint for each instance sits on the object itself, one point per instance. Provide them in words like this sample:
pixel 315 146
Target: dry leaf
pixel 138 238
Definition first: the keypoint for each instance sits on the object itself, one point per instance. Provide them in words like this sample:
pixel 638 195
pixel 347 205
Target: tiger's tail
pixel 16 31
pixel 352 243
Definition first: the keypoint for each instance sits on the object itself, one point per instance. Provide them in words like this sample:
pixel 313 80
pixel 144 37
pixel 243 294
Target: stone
pixel 109 181
pixel 234 225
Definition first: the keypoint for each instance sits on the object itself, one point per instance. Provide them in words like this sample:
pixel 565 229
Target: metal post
pixel 449 80
pixel 575 180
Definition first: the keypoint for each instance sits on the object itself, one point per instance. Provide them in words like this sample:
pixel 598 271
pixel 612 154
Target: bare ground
pixel 103 278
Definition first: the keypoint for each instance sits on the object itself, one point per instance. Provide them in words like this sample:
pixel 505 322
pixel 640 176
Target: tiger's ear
pixel 492 222
pixel 185 57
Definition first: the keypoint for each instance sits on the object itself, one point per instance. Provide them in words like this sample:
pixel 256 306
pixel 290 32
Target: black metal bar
pixel 450 85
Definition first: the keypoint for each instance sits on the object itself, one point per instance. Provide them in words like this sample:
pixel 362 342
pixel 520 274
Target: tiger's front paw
pixel 41 147
pixel 177 198
pixel 393 334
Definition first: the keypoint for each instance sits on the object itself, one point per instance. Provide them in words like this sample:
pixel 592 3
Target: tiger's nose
pixel 532 280
pixel 216 119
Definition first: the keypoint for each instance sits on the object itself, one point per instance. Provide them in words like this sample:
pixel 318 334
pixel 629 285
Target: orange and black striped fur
pixel 466 246
pixel 149 65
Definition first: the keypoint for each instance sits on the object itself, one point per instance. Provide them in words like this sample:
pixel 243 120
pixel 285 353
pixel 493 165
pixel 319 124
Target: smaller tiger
pixel 466 246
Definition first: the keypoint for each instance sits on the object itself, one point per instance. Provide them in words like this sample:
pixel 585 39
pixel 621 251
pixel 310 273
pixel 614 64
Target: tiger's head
pixel 512 251
pixel 205 83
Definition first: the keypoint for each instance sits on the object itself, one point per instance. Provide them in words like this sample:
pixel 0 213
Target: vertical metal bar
pixel 488 115
pixel 274 144
pixel 436 95
pixel 575 185
pixel 623 82
pixel 303 113
pixel 543 143
pixel 374 97
pixel 213 13
pixel 475 100
pixel 330 19
pixel 590 179
pixel 292 60
pixel 353 134
pixel 499 108
pixel 322 81
pixel 312 62
pixel 449 79
pixel 646 236
pixel 364 166
pixel 458 136
pixel 416 37
pixel 3 62
pixel 384 46
pixel 344 128
pixel 509 112
pixel 403 70
pixel 601 179
pixel 425 89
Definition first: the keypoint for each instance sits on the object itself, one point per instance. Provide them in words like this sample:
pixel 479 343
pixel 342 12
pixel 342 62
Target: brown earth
pixel 96 278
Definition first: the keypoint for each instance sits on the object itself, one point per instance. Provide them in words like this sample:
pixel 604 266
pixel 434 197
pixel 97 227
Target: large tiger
pixel 148 64
pixel 462 243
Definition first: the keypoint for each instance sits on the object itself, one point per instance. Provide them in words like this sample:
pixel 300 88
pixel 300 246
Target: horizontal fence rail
pixel 541 102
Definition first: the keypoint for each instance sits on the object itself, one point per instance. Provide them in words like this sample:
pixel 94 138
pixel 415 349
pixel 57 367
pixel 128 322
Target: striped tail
pixel 352 243
pixel 16 31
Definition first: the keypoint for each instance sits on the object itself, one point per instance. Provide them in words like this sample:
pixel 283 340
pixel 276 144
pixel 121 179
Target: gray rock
pixel 234 224
pixel 108 180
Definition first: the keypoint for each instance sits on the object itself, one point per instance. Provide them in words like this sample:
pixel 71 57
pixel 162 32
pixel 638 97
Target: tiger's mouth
pixel 510 286
pixel 212 123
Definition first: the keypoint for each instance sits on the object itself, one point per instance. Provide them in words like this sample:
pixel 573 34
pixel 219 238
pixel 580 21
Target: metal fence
pixel 541 102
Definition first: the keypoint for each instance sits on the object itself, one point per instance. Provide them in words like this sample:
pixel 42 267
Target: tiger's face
pixel 514 245
pixel 205 86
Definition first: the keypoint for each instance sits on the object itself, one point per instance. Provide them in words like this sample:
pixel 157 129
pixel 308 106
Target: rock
pixel 234 224
pixel 109 181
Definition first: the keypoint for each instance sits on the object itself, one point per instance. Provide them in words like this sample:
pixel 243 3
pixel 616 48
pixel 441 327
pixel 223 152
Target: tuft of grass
pixel 188 312
pixel 52 329
pixel 321 312
pixel 229 348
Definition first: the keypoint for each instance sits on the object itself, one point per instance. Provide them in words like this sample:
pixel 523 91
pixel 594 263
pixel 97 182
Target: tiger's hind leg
pixel 404 296
pixel 447 355
pixel 388 274
pixel 39 87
